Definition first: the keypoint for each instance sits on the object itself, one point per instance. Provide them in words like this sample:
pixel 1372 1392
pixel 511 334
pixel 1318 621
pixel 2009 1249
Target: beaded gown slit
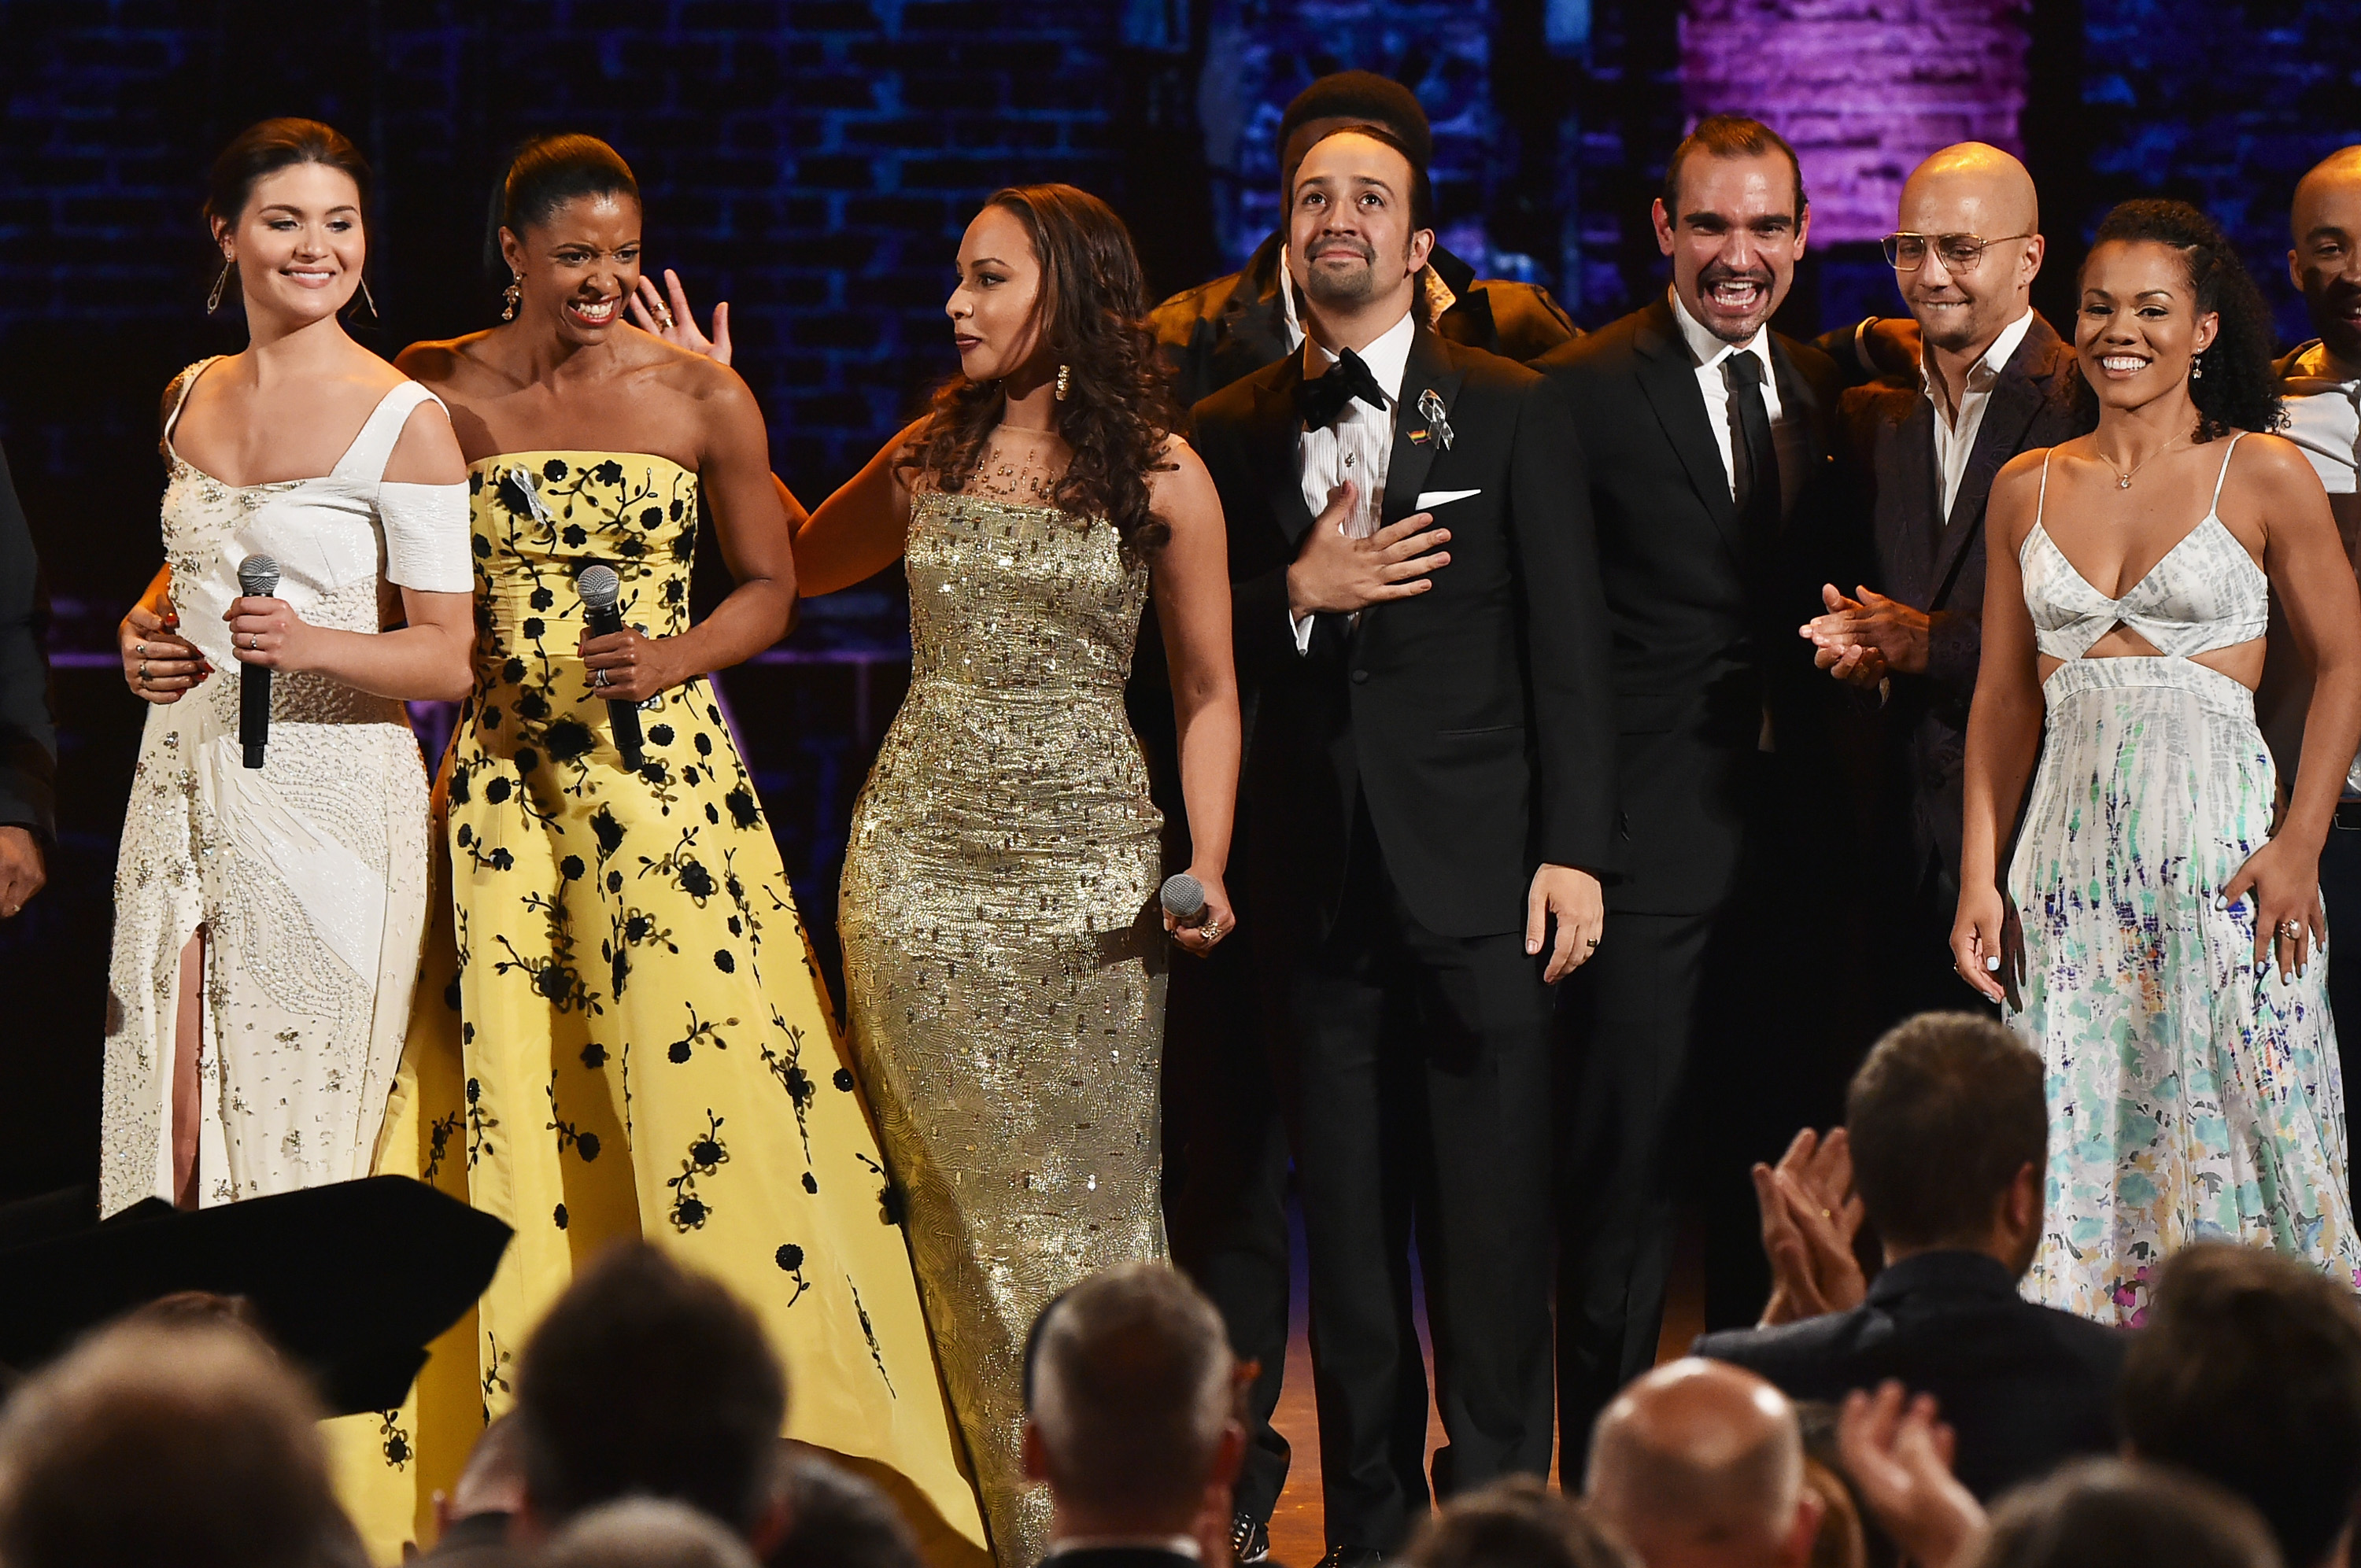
pixel 2190 1099
pixel 1004 969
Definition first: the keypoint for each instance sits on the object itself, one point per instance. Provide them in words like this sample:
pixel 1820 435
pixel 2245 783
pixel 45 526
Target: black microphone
pixel 600 590
pixel 1183 897
pixel 257 578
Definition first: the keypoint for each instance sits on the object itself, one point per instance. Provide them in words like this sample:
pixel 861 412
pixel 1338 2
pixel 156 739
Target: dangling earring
pixel 367 302
pixel 213 300
pixel 511 296
pixel 2197 368
pixel 1065 381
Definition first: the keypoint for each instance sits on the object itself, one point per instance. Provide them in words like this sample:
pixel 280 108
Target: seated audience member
pixel 2248 1372
pixel 647 1380
pixel 2106 1513
pixel 185 1445
pixel 645 1532
pixel 836 1520
pixel 471 1520
pixel 1948 1133
pixel 1845 1539
pixel 1515 1522
pixel 1130 1418
pixel 1700 1464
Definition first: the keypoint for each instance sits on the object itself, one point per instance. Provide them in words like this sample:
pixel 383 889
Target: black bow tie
pixel 1324 398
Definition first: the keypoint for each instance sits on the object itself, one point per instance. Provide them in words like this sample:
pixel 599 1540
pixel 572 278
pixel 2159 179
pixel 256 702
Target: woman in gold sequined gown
pixel 619 1031
pixel 1004 954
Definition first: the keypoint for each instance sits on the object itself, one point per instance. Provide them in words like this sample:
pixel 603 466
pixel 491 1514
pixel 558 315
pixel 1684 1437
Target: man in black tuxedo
pixel 1707 440
pixel 1429 784
pixel 1947 1131
pixel 1129 1394
pixel 1994 380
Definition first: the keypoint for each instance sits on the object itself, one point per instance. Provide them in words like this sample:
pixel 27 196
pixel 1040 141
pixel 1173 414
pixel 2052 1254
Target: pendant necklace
pixel 2124 480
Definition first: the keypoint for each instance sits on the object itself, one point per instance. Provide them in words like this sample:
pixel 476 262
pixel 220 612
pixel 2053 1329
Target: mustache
pixel 1717 273
pixel 1341 242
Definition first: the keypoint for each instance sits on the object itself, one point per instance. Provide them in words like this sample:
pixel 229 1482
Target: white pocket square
pixel 1436 497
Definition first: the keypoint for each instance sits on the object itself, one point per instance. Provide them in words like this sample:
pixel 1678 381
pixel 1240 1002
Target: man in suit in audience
pixel 29 742
pixel 1708 441
pixel 1994 379
pixel 1949 1134
pixel 1429 781
pixel 1130 1401
pixel 1225 1144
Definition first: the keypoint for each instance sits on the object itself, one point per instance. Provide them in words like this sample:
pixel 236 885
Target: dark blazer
pixel 2023 1387
pixel 1474 718
pixel 28 741
pixel 1232 326
pixel 1704 619
pixel 1936 563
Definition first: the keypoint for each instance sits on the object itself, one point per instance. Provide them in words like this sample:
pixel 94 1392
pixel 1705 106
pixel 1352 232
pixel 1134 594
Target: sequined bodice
pixel 1007 593
pixel 2207 594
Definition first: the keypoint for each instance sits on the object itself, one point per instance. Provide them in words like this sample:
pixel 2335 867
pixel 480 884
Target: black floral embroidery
pixel 788 1067
pixel 876 1352
pixel 480 1123
pixel 438 1144
pixel 495 1377
pixel 707 1154
pixel 889 1196
pixel 584 1144
pixel 790 1260
pixel 393 1439
pixel 701 1031
pixel 558 1217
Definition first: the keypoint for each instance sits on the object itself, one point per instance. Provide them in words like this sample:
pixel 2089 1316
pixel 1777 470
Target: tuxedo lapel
pixel 1272 447
pixel 1801 404
pixel 1415 441
pixel 1918 481
pixel 1668 378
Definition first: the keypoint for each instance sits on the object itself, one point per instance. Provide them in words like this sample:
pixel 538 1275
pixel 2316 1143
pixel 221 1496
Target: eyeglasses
pixel 1959 252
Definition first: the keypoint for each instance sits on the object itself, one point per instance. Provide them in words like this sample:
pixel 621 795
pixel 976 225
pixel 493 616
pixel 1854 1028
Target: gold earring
pixel 2197 368
pixel 369 302
pixel 1065 381
pixel 511 296
pixel 213 300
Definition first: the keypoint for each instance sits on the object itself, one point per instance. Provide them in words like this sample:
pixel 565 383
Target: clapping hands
pixel 1810 1216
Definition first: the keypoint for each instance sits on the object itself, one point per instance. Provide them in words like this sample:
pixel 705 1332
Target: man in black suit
pixel 28 744
pixel 1225 1148
pixel 1429 783
pixel 1949 1133
pixel 1707 439
pixel 1995 380
pixel 1129 1398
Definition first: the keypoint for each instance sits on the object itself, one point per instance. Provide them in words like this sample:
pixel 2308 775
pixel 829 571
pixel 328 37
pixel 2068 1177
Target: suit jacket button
pixel 1360 677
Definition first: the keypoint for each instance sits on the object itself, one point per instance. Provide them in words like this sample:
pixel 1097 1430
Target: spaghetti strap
pixel 2042 499
pixel 364 461
pixel 183 385
pixel 2215 511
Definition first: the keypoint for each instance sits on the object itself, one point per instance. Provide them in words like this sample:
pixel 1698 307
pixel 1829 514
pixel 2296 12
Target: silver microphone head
pixel 1183 895
pixel 599 586
pixel 258 576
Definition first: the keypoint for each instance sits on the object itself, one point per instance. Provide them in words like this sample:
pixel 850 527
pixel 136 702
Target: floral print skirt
pixel 2190 1099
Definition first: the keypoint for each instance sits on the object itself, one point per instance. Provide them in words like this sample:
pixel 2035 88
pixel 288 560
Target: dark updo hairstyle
pixel 268 146
pixel 544 174
pixel 2238 389
pixel 1093 313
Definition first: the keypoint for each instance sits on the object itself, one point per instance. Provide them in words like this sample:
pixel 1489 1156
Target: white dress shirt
pixel 1359 446
pixel 1955 434
pixel 1788 436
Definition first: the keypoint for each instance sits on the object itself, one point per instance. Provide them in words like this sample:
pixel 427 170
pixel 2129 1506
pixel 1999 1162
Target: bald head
pixel 1973 190
pixel 1700 1464
pixel 2325 262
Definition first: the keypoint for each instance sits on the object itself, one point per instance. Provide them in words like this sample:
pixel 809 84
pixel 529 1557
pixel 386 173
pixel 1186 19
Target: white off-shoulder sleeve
pixel 426 537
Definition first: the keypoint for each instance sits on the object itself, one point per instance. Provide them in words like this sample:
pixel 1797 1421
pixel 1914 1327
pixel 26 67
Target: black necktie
pixel 1754 455
pixel 1323 398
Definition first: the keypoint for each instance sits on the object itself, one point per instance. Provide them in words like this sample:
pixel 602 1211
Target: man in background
pixel 28 743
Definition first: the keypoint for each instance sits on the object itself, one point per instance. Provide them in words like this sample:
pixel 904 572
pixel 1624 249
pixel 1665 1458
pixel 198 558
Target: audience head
pixel 1130 1403
pixel 565 229
pixel 2167 305
pixel 1949 1132
pixel 492 1482
pixel 645 1532
pixel 2325 262
pixel 188 1444
pixel 2250 1374
pixel 1969 246
pixel 836 1520
pixel 1360 222
pixel 1352 98
pixel 647 1379
pixel 1700 1464
pixel 1517 1523
pixel 2104 1513
pixel 1732 217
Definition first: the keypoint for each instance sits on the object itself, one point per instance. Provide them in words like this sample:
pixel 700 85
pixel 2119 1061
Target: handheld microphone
pixel 257 578
pixel 601 590
pixel 1183 897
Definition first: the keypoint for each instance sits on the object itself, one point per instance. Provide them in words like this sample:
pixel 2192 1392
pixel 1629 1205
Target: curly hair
pixel 2237 390
pixel 1094 315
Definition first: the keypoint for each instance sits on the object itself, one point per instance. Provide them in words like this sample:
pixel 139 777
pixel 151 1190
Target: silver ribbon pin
pixel 1430 408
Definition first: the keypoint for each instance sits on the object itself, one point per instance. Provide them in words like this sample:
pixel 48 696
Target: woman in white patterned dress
pixel 268 921
pixel 2158 935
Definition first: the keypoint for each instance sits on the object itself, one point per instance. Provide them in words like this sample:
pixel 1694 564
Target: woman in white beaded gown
pixel 269 920
pixel 2172 968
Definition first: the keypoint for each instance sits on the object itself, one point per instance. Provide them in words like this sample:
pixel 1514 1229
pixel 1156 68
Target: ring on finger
pixel 664 316
pixel 600 678
pixel 2291 929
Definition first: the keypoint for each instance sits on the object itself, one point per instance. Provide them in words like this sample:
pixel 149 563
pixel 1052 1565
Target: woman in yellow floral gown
pixel 621 1031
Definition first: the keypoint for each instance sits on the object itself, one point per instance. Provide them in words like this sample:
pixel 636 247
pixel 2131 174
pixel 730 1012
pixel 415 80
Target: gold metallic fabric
pixel 1003 965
